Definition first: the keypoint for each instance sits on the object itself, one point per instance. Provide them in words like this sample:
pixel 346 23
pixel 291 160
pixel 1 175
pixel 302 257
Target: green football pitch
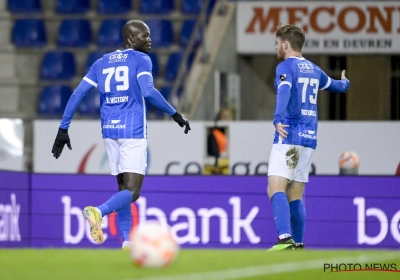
pixel 71 264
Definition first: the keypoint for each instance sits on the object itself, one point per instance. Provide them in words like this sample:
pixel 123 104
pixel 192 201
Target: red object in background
pixel 82 165
pixel 398 170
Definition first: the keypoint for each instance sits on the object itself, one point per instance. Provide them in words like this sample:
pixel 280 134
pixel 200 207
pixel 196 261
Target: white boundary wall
pixel 377 144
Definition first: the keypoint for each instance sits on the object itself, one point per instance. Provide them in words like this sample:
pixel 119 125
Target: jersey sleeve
pixel 91 76
pixel 79 93
pixel 283 85
pixel 332 85
pixel 145 66
pixel 149 92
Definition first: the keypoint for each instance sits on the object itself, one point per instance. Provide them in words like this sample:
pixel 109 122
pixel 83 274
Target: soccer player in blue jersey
pixel 124 78
pixel 297 84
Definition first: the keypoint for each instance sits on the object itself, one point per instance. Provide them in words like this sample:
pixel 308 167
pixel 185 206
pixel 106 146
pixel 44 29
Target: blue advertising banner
pixel 220 211
pixel 14 209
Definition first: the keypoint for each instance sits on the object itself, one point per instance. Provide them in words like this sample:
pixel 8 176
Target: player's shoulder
pixel 286 65
pixel 126 55
pixel 119 53
pixel 302 65
pixel 282 65
pixel 142 56
pixel 313 65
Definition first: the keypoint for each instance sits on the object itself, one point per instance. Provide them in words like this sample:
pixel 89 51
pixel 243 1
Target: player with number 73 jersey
pixel 297 84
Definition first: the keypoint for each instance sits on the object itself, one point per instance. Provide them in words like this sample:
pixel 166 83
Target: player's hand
pixel 182 121
pixel 343 75
pixel 281 130
pixel 62 138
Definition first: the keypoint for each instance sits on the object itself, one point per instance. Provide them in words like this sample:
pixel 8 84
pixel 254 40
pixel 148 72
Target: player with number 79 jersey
pixel 124 79
pixel 123 110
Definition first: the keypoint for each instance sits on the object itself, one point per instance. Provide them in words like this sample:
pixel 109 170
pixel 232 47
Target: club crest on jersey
pixel 305 67
pixel 118 57
pixel 282 78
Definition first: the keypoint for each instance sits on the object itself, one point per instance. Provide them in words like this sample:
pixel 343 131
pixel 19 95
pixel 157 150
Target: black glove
pixel 61 139
pixel 182 121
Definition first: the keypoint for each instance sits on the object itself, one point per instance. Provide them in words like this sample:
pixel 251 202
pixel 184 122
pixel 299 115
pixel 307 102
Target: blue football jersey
pixel 305 79
pixel 122 105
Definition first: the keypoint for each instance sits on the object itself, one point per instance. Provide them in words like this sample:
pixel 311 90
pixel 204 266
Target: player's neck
pixel 126 46
pixel 292 53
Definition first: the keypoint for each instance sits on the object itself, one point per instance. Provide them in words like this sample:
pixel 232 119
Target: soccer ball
pixel 349 160
pixel 153 245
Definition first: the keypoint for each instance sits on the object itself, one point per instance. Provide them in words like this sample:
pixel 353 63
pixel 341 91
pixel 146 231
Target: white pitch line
pixel 253 271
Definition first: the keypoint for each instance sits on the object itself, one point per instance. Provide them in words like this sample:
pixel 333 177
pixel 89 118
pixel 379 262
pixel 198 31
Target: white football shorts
pixel 126 155
pixel 290 161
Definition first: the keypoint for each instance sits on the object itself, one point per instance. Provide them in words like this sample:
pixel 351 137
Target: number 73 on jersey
pixel 314 84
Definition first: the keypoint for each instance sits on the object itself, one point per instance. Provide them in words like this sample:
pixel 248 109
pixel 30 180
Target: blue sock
pixel 298 219
pixel 125 221
pixel 116 202
pixel 281 211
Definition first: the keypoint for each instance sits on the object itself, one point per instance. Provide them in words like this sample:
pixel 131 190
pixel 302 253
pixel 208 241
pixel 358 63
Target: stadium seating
pixel 110 33
pixel 75 30
pixel 24 6
pixel 90 104
pixel 58 65
pixel 161 32
pixel 194 6
pixel 154 60
pixel 74 33
pixel 173 63
pixel 156 6
pixel 53 100
pixel 92 57
pixel 29 33
pixel 113 7
pixel 72 6
pixel 172 68
pixel 186 32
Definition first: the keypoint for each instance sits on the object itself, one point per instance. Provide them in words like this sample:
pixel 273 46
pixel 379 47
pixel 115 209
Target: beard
pixel 280 54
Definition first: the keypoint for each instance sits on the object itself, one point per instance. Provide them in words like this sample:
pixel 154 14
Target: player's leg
pixel 297 211
pixel 124 217
pixel 295 193
pixel 279 172
pixel 128 156
pixel 124 197
pixel 133 183
pixel 119 200
pixel 93 214
pixel 133 163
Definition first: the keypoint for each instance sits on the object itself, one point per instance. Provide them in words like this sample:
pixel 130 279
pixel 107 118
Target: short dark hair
pixel 293 34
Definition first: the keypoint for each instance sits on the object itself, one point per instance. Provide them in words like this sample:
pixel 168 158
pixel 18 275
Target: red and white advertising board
pixel 348 27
